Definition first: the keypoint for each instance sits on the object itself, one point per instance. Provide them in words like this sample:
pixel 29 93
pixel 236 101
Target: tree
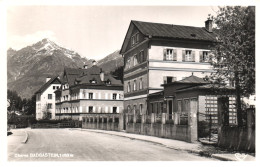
pixel 234 53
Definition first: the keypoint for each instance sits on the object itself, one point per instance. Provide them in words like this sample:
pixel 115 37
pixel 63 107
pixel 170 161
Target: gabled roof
pixel 174 31
pixel 208 87
pixel 171 31
pixel 70 74
pixel 47 84
pixel 192 79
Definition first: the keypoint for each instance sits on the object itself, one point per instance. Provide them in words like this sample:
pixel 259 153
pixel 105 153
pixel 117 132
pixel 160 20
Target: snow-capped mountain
pixel 28 67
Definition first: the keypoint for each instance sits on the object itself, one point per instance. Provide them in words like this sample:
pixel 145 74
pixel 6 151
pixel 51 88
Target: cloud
pixel 17 42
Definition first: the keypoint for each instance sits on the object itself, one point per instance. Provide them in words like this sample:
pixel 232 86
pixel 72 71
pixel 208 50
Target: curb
pixel 26 137
pixel 221 158
pixel 199 152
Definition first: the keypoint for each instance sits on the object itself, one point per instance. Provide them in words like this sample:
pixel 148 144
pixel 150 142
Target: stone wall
pixel 178 132
pixel 102 121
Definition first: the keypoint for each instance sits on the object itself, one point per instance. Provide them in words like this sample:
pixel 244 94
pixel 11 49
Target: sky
pixel 92 31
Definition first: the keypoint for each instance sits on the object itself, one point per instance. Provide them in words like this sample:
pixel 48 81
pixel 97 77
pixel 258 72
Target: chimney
pixel 102 76
pixel 94 63
pixel 208 25
pixel 85 66
pixel 47 79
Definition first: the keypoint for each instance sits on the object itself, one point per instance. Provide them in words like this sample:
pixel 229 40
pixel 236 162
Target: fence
pixel 102 121
pixel 174 126
pixel 72 124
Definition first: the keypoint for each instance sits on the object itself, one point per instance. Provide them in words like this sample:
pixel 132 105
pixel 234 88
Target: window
pixel 188 55
pixel 128 87
pixel 141 56
pixel 93 81
pixel 137 37
pixel 141 109
pixel 49 106
pixel 179 105
pixel 54 87
pixel 128 63
pixel 169 79
pixel 90 109
pixel 135 109
pixel 161 107
pixel 128 109
pixel 170 54
pixel 84 94
pixel 114 110
pixel 186 106
pixel 67 97
pixel 134 85
pixel 108 82
pixel 90 95
pixel 49 96
pixel 135 60
pixel 141 84
pixel 57 87
pixel 204 56
pixel 114 96
pixel 133 40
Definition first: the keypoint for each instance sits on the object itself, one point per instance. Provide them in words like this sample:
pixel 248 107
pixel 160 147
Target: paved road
pixel 88 146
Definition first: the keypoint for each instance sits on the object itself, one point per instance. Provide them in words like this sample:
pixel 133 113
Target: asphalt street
pixel 77 145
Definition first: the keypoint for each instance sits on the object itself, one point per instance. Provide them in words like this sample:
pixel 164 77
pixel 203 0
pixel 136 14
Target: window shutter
pixel 201 56
pixel 164 54
pixel 183 55
pixel 193 55
pixel 174 54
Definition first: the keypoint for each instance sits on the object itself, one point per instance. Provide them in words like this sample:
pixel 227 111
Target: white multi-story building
pixel 45 98
pixel 155 54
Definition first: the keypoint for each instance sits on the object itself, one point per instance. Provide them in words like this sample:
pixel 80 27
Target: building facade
pixel 45 99
pixel 86 91
pixel 155 54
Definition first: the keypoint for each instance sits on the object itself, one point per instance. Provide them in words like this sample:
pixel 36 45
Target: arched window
pixel 128 87
pixel 141 83
pixel 128 63
pixel 134 111
pixel 135 60
pixel 134 85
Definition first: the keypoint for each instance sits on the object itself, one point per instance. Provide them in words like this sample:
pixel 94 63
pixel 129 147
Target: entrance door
pixel 170 108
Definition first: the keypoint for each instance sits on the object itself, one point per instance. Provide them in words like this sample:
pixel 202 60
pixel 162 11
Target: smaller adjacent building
pixel 192 98
pixel 45 98
pixel 88 90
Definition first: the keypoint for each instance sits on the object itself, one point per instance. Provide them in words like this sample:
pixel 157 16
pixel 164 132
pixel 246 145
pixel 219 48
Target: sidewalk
pixel 196 148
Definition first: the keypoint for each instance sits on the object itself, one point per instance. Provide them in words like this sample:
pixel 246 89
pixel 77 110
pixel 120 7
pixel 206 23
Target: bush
pixel 203 129
pixel 49 121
